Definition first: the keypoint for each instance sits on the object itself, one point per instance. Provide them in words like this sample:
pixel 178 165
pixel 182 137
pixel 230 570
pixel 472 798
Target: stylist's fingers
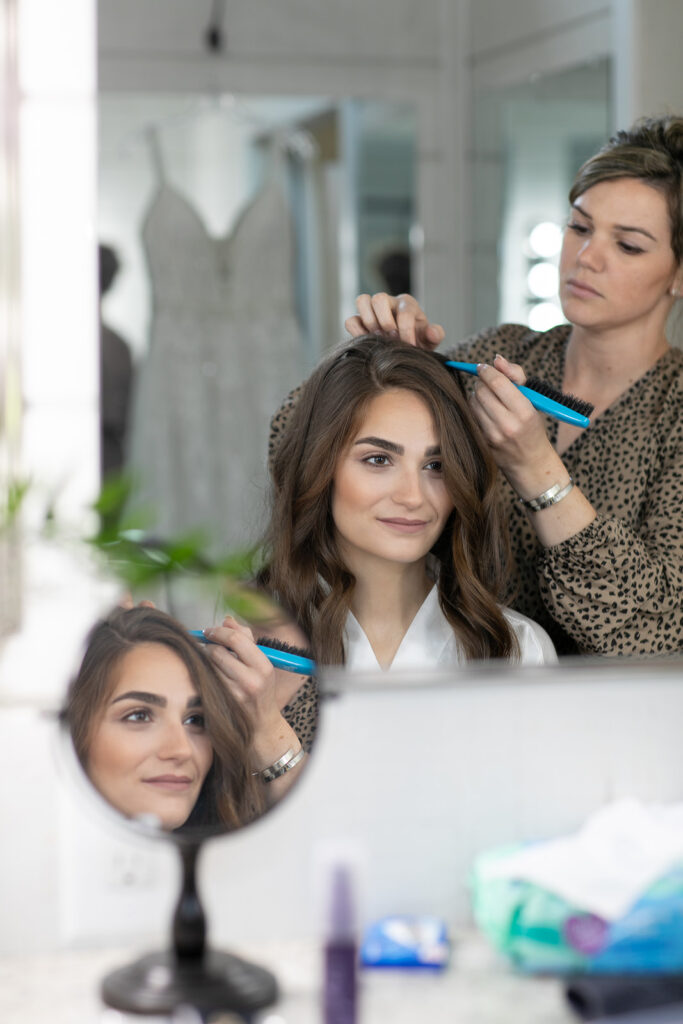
pixel 513 371
pixel 414 326
pixel 242 665
pixel 355 327
pixel 366 318
pixel 498 394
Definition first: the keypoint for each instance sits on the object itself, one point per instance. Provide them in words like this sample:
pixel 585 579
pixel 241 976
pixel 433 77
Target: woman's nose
pixel 408 490
pixel 174 743
pixel 592 253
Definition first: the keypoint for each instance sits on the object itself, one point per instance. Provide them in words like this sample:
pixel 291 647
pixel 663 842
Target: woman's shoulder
pixel 535 646
pixel 515 341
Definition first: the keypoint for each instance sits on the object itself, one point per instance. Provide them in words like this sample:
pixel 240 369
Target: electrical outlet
pixel 129 869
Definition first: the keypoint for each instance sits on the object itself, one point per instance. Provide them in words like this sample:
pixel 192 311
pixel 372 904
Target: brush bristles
pixel 570 401
pixel 280 645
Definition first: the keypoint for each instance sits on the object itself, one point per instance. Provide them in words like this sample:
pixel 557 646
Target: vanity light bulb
pixel 542 280
pixel 545 239
pixel 545 315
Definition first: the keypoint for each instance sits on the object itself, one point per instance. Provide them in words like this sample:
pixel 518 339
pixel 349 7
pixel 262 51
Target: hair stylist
pixel 596 516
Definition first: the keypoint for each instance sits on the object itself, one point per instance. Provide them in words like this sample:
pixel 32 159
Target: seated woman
pixel 386 540
pixel 157 733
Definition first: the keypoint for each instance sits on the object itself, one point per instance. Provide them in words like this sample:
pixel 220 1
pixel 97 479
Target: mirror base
pixel 160 982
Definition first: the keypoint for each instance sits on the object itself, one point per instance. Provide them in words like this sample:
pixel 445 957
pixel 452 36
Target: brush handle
pixel 278 659
pixel 540 402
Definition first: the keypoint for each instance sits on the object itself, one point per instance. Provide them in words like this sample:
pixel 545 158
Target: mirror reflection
pixel 182 730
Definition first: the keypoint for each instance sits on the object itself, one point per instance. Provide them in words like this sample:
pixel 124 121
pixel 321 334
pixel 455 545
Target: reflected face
pixel 617 265
pixel 389 499
pixel 149 752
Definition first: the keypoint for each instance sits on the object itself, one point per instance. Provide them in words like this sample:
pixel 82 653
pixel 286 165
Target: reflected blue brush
pixel 544 397
pixel 278 653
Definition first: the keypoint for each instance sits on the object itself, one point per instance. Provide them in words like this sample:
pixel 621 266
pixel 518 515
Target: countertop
pixel 477 988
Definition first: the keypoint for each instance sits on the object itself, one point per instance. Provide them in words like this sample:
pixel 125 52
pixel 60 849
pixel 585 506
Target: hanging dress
pixel 224 349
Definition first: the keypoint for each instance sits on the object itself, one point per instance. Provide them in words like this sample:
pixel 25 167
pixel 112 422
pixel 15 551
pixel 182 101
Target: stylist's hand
pixel 396 316
pixel 246 671
pixel 513 428
pixel 252 679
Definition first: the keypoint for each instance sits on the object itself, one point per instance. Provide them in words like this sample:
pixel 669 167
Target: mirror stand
pixel 190 974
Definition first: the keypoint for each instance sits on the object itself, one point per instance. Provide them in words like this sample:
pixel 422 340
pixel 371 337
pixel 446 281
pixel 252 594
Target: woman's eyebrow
pixel 619 227
pixel 390 446
pixel 194 702
pixel 145 698
pixel 379 442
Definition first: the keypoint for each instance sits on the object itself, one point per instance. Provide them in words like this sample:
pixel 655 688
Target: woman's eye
pixel 377 460
pixel 579 229
pixel 196 722
pixel 435 467
pixel 139 715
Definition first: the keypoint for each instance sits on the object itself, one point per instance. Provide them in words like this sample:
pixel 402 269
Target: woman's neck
pixel 601 365
pixel 386 599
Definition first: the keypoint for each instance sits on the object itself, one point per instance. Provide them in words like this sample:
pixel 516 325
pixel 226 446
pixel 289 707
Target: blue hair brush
pixel 278 653
pixel 544 397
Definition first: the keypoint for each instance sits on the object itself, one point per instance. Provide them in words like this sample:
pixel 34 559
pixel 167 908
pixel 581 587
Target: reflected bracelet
pixel 550 497
pixel 289 760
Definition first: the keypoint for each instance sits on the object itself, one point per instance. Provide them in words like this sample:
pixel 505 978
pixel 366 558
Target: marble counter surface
pixel 62 988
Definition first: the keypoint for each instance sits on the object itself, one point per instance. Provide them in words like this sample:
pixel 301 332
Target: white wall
pixel 415 782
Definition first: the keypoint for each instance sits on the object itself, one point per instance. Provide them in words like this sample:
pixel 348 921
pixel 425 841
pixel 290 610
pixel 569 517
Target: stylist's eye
pixel 579 229
pixel 630 250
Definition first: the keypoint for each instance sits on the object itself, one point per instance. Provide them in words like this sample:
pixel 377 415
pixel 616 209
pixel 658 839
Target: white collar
pixel 428 641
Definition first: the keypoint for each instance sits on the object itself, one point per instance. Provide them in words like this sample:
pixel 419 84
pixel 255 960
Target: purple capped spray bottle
pixel 341 952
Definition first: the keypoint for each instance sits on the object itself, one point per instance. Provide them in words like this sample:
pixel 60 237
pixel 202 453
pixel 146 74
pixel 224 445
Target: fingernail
pixel 482 366
pixel 393 334
pixel 498 356
pixel 209 631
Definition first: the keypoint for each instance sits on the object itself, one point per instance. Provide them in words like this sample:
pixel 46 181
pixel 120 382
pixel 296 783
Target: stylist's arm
pixel 276 751
pixel 517 436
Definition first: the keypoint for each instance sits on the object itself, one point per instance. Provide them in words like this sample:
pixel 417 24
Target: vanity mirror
pixel 166 727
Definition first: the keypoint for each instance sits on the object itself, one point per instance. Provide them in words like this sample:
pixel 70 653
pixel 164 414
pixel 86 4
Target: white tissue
pixel 617 854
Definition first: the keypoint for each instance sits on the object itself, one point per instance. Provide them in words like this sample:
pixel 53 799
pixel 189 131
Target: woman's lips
pixel 405 525
pixel 581 289
pixel 173 783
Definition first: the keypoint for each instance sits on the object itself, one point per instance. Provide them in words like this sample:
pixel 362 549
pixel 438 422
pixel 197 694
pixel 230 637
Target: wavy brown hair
pixel 305 567
pixel 229 796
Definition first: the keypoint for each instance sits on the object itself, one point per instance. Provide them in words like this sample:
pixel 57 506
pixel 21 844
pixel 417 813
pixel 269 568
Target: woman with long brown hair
pixel 155 729
pixel 386 542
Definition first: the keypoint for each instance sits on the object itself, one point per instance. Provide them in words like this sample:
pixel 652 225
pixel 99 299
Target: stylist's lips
pixel 173 783
pixel 405 525
pixel 581 289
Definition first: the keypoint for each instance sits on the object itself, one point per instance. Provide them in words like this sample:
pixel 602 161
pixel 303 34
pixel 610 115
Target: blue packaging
pixel 406 940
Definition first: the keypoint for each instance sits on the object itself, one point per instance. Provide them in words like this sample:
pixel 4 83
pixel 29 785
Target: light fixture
pixel 545 239
pixel 542 280
pixel 545 315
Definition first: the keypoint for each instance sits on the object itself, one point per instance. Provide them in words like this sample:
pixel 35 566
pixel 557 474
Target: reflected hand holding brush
pixel 280 654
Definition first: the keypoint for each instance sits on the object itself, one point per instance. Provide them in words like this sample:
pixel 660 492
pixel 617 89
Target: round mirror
pixel 188 730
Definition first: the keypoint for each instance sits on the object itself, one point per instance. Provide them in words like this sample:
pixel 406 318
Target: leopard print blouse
pixel 616 587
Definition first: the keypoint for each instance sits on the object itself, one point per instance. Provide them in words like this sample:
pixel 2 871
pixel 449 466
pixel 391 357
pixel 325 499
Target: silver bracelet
pixel 283 764
pixel 550 497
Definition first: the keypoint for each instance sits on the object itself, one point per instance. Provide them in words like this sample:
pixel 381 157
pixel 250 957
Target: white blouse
pixel 430 642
